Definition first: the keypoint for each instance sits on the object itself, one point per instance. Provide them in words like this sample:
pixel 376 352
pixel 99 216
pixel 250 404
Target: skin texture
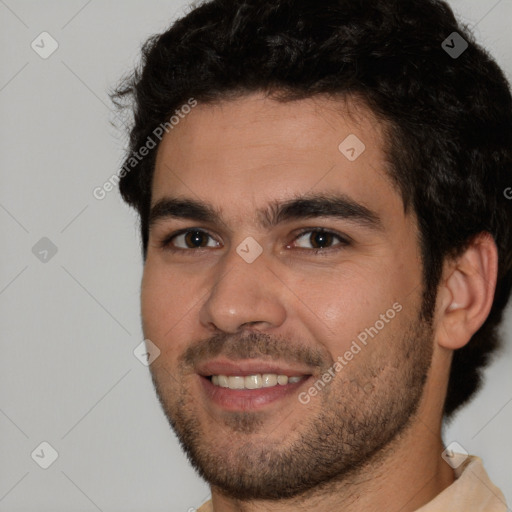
pixel 370 439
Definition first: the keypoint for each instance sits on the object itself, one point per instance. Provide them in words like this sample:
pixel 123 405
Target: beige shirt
pixel 472 491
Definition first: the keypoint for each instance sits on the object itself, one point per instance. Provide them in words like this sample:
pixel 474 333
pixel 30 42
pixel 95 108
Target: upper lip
pixel 248 367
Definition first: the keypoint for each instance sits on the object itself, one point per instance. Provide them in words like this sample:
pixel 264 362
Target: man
pixel 327 247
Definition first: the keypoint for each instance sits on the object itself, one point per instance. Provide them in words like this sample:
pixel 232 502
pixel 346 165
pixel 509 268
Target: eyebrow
pixel 338 206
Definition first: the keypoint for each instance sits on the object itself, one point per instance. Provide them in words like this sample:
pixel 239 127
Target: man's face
pixel 252 294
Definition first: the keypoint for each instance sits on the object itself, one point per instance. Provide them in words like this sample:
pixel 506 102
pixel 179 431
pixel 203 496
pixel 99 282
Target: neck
pixel 408 474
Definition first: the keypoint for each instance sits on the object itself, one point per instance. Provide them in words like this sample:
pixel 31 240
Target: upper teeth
pixel 253 381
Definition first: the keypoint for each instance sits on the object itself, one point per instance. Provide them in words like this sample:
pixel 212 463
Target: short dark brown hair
pixel 450 117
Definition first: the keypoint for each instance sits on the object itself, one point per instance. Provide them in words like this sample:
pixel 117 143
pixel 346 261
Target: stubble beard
pixel 349 430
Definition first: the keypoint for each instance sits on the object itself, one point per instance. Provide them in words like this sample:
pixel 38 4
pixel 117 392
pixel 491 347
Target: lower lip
pixel 248 399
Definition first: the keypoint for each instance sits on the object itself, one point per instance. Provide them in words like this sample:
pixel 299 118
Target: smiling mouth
pixel 251 391
pixel 256 381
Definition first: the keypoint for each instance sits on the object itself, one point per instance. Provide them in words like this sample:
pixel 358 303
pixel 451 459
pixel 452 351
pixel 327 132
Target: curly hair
pixel 449 117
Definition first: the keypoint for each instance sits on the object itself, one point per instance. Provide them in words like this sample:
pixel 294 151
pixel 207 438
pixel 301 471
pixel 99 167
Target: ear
pixel 466 293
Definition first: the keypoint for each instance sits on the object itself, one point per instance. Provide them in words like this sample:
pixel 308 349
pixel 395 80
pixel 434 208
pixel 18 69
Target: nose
pixel 244 294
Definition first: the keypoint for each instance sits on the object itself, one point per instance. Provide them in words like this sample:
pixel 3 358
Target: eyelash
pixel 344 241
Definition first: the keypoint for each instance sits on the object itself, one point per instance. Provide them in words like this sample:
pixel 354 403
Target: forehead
pixel 239 154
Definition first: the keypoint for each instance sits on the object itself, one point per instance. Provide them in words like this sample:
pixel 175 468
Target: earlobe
pixel 466 295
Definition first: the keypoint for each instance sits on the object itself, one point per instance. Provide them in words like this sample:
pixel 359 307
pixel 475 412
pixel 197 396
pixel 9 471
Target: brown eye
pixel 320 239
pixel 188 239
pixel 195 239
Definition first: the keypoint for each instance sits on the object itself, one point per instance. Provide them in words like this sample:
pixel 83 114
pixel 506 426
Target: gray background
pixel 70 324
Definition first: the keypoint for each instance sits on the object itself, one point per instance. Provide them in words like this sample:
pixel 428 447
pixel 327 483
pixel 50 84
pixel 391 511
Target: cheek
pixel 166 304
pixel 338 307
pixel 341 297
